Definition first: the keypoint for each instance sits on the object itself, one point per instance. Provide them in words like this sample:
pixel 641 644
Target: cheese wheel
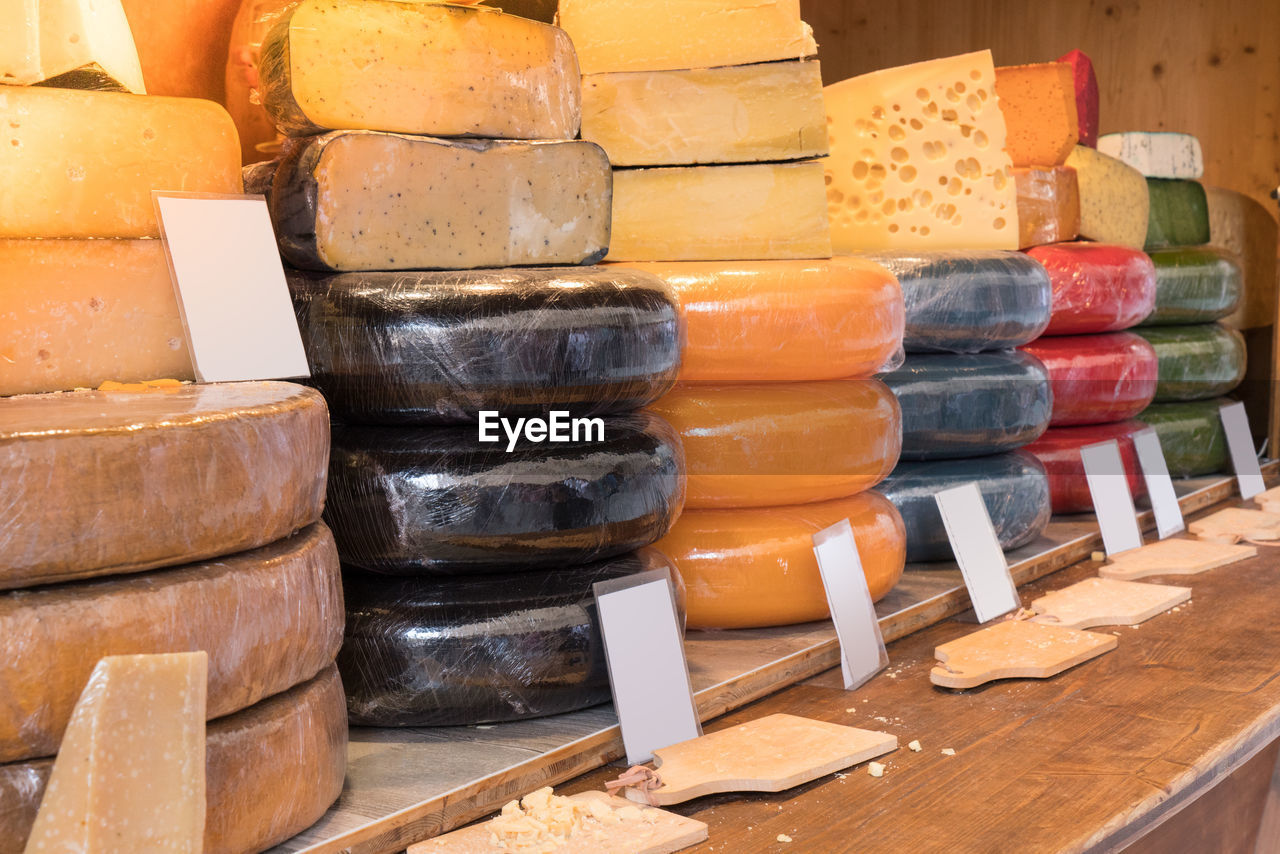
pixel 423 500
pixel 1096 287
pixel 755 567
pixel 759 444
pixel 433 348
pixel 1097 379
pixel 967 302
pixel 1196 285
pixel 1179 214
pixel 1243 226
pixel 750 321
pixel 1196 362
pixel 514 645
pixel 957 406
pixel 1014 487
pixel 1048 204
pixel 272 770
pixel 104 483
pixel 1191 436
pixel 1059 452
pixel 182 44
pixel 253 20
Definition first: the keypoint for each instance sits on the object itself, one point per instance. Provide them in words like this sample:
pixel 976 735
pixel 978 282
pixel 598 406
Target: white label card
pixel 1112 500
pixel 977 551
pixel 862 652
pixel 1155 473
pixel 644 648
pixel 231 288
pixel 1244 457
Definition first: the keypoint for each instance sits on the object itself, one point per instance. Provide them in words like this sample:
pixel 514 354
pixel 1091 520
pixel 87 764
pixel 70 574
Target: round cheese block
pixel 755 567
pixel 1200 284
pixel 1196 362
pixel 1179 213
pixel 967 302
pixel 1191 436
pixel 1097 379
pixel 414 500
pixel 1014 487
pixel 438 348
pixel 760 444
pixel 957 406
pixel 1059 452
pixel 1097 287
pixel 427 652
pixel 103 483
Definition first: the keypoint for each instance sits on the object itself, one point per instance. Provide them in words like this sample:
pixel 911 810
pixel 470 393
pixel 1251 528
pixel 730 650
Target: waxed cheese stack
pixel 1179 214
pixel 1048 205
pixel 1096 287
pixel 1097 379
pixel 1059 452
pixel 918 159
pixel 130 775
pixel 1191 435
pixel 74 44
pixel 1194 285
pixel 421 68
pixel 1156 155
pixel 1086 90
pixel 1196 362
pixel 1114 200
pixel 1039 106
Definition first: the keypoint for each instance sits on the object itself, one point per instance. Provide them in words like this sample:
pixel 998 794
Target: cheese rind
pixel 1156 155
pixel 1086 86
pixel 1179 214
pixel 1194 285
pixel 739 114
pixel 421 68
pixel 80 44
pixel 1196 362
pixel 1048 205
pixel 361 200
pixel 1039 106
pixel 1114 200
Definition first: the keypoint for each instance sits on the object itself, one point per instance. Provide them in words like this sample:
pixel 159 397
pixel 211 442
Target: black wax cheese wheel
pixel 1195 285
pixel 1191 435
pixel 425 500
pixel 435 348
pixel 1196 362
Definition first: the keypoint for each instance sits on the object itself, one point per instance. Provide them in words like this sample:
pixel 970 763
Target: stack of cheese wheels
pixel 713 119
pixel 488 450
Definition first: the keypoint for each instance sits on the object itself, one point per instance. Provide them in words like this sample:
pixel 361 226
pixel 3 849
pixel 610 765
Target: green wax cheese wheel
pixel 1194 285
pixel 1191 436
pixel 1196 362
pixel 1179 214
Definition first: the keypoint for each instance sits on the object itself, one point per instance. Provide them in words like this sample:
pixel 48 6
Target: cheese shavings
pixel 542 822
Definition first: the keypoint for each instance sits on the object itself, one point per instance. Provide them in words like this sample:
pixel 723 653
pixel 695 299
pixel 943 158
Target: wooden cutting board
pixel 1235 524
pixel 1269 501
pixel 769 754
pixel 657 832
pixel 1106 602
pixel 1174 557
pixel 1014 649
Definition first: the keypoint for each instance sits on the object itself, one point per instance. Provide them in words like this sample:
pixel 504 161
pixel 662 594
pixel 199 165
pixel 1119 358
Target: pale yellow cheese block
pixel 918 159
pixel 720 213
pixel 1239 223
pixel 662 35
pixel 130 775
pixel 74 43
pixel 1114 202
pixel 739 114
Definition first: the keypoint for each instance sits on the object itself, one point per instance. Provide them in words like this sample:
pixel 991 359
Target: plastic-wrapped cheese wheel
pixel 1014 487
pixel 1097 379
pixel 1048 204
pixel 1179 213
pixel 755 567
pixel 439 652
pixel 1196 285
pixel 967 302
pixel 970 405
pixel 1059 452
pixel 423 500
pixel 1196 362
pixel 752 321
pixel 1097 287
pixel 761 444
pixel 433 348
pixel 1191 436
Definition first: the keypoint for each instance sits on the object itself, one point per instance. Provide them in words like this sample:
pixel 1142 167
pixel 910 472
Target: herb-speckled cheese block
pixel 1196 362
pixel 422 68
pixel 1179 214
pixel 1048 204
pixel 360 200
pixel 1195 285
pixel 1039 106
pixel 1191 436
pixel 1014 487
pixel 1156 155
pixel 1097 379
pixel 1059 452
pixel 1096 287
pixel 1086 87
pixel 1114 199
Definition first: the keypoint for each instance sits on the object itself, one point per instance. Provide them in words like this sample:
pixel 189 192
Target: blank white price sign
pixel 1112 501
pixel 1244 457
pixel 862 652
pixel 1155 473
pixel 977 551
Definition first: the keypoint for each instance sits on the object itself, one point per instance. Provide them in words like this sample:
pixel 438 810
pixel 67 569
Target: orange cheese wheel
pixel 784 320
pixel 182 44
pixel 755 567
pixel 761 444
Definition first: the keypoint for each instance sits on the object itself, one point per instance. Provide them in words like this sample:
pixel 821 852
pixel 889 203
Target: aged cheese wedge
pixel 99 184
pixel 1059 451
pixel 359 200
pixel 1196 362
pixel 1191 435
pixel 1238 223
pixel 1015 649
pixel 918 160
pixel 739 114
pixel 130 774
pixel 1178 557
pixel 423 68
pixel 720 213
pixel 74 44
pixel 104 483
pixel 1156 155
pixel 1039 106
pixel 1114 200
pixel 1086 89
pixel 1097 379
pixel 1199 284
pixel 1048 204
pixel 1096 287
pixel 1179 214
pixel 1107 601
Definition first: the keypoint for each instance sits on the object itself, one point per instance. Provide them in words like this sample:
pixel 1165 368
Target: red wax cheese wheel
pixel 761 444
pixel 1097 379
pixel 1048 205
pixel 753 321
pixel 269 618
pixel 1086 88
pixel 1059 451
pixel 104 483
pixel 755 567
pixel 1097 287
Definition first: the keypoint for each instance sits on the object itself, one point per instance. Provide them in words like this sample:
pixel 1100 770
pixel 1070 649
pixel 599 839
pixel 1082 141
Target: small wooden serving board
pixel 1235 524
pixel 1106 602
pixel 1014 649
pixel 1269 501
pixel 1174 557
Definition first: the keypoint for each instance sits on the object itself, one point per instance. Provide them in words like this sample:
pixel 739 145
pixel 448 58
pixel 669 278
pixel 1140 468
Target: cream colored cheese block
pixel 720 213
pixel 663 35
pixel 130 775
pixel 739 114
pixel 84 164
pixel 918 161
pixel 1239 223
pixel 360 200
pixel 1156 154
pixel 79 44
pixel 424 68
pixel 1114 202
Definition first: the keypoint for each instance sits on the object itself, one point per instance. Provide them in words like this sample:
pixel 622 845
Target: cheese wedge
pixel 1114 200
pixel 1048 205
pixel 1039 106
pixel 76 44
pixel 1156 155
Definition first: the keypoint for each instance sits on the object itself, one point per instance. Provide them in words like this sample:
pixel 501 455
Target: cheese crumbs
pixel 542 822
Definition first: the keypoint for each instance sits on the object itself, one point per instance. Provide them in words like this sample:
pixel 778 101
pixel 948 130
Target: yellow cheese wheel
pixel 182 44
